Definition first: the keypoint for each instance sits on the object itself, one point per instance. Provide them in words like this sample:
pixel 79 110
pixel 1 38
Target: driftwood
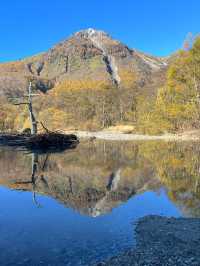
pixel 41 142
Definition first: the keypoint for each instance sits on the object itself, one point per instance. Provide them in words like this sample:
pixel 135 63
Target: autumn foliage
pixel 95 103
pixel 177 105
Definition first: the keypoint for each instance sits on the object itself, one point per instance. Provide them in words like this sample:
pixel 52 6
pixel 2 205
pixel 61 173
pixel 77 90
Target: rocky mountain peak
pixel 90 33
pixel 88 53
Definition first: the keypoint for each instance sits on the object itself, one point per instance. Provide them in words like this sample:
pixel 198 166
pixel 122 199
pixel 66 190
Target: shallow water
pixel 79 206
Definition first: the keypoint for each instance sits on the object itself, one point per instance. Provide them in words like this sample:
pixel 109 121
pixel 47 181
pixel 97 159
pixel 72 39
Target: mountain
pixel 88 54
pixel 91 81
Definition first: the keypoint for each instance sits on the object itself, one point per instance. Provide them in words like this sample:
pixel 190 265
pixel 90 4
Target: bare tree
pixel 188 42
pixel 30 108
pixel 34 84
pixel 27 99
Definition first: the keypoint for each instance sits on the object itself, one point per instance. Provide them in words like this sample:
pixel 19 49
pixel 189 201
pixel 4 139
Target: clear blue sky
pixel 154 26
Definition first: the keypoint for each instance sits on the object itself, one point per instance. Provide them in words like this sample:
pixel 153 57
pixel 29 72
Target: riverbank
pixel 119 136
pixel 162 241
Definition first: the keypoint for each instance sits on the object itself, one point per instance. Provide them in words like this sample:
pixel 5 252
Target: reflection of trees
pixel 178 167
pixel 99 176
pixel 34 177
pixel 92 179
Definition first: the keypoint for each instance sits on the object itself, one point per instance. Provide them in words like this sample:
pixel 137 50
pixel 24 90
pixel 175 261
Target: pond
pixel 80 206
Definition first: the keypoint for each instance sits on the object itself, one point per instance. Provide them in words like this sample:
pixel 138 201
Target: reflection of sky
pixel 60 236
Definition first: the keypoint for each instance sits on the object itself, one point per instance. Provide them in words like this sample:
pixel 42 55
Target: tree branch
pixel 20 103
pixel 46 129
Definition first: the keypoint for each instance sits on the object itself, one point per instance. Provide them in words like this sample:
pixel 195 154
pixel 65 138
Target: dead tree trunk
pixel 29 99
pixel 30 108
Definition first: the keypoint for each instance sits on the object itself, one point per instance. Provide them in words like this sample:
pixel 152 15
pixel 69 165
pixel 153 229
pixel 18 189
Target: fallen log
pixel 40 142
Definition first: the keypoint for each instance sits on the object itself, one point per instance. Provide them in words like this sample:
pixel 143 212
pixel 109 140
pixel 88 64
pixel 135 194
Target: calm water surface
pixel 79 206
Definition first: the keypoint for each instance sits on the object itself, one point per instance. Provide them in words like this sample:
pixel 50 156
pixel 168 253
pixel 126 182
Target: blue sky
pixel 153 26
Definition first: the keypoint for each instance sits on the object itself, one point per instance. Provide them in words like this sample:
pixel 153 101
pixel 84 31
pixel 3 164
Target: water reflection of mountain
pixel 96 177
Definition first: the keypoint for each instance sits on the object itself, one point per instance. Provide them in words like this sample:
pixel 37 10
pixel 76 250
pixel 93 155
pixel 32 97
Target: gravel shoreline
pixel 162 241
pixel 117 136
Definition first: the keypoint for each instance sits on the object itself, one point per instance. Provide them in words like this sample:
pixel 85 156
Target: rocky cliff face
pixel 88 54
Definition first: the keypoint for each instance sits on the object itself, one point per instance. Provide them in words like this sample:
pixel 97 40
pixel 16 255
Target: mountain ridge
pixel 89 81
pixel 87 53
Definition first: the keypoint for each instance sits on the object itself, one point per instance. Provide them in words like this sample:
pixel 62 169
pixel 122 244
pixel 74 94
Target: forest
pixel 90 104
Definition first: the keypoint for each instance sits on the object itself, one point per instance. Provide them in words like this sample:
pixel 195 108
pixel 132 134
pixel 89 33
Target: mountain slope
pixel 88 54
pixel 90 81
